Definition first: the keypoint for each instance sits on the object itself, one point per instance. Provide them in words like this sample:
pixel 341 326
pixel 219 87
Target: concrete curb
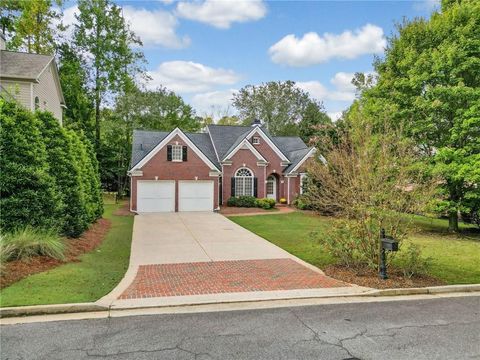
pixel 424 291
pixel 50 309
pixel 94 307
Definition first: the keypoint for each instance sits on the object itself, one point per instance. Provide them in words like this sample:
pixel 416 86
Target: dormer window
pixel 256 140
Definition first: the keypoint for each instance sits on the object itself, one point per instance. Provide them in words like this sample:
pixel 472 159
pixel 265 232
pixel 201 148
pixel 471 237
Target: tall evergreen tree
pixel 103 36
pixel 28 194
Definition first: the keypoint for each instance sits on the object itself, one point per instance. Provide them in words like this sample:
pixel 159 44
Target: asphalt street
pixel 444 328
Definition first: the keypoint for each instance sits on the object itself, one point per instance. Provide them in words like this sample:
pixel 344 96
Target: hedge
pixel 48 175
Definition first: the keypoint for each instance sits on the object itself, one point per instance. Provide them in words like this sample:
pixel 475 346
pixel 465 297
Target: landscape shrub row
pixel 49 175
pixel 251 201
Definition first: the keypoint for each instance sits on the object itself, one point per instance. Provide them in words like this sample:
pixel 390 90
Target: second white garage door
pixel 195 195
pixel 155 196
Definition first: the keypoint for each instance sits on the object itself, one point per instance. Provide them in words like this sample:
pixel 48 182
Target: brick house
pixel 179 171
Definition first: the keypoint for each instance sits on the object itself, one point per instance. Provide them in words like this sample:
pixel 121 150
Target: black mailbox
pixel 389 244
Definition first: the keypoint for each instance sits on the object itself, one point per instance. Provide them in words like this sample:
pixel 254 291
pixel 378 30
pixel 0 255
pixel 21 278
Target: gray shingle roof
pixel 22 65
pixel 224 137
pixel 205 145
pixel 295 157
pixel 143 142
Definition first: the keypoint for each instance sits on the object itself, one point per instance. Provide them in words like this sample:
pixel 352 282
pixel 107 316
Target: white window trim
pixel 167 140
pixel 244 178
pixel 256 140
pixel 303 176
pixel 175 151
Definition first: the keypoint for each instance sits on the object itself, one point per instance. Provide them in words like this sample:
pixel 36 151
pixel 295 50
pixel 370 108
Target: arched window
pixel 243 182
pixel 37 103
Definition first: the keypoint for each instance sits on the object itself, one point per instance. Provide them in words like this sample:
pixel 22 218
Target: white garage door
pixel 155 196
pixel 195 195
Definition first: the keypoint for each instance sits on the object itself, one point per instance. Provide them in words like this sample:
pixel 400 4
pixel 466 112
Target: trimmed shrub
pixel 301 204
pixel 242 201
pixel 28 194
pixel 25 243
pixel 413 263
pixel 89 177
pixel 265 203
pixel 66 173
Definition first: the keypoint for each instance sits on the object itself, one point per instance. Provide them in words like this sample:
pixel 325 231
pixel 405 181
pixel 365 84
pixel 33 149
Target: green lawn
pixel 88 280
pixel 455 258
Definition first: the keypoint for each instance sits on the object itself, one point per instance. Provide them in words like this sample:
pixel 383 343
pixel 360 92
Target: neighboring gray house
pixel 31 79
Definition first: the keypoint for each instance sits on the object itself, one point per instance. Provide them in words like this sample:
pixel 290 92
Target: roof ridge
pixel 27 53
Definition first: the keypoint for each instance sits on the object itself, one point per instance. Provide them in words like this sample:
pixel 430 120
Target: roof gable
pixel 245 144
pixel 258 130
pixel 195 141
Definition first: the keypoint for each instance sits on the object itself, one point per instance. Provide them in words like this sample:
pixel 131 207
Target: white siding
pixel 20 90
pixel 47 92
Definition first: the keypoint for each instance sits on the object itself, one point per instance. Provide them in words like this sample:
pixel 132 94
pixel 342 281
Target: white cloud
pixel 190 77
pixel 155 27
pixel 318 91
pixel 216 103
pixel 335 115
pixel 222 14
pixel 314 49
pixel 343 81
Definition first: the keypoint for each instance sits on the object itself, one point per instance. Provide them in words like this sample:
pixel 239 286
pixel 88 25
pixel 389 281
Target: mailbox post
pixel 387 244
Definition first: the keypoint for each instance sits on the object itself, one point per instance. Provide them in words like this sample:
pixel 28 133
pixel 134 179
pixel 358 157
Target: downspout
pixel 288 190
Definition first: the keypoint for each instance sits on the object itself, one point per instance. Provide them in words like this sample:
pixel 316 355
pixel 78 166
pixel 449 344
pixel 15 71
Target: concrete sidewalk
pixel 191 238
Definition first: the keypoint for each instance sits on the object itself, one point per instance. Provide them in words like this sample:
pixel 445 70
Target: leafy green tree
pixel 279 104
pixel 103 36
pixel 66 174
pixel 229 120
pixel 79 114
pixel 31 23
pixel 158 109
pixel 28 192
pixel 315 122
pixel 429 84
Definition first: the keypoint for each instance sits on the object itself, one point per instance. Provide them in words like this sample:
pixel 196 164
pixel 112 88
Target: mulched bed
pixel 90 239
pixel 369 278
pixel 233 210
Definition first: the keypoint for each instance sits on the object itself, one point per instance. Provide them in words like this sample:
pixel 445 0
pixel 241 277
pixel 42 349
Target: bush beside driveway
pixel 454 258
pixel 93 276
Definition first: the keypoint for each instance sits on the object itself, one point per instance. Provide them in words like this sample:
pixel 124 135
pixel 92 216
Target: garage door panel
pixel 195 196
pixel 155 196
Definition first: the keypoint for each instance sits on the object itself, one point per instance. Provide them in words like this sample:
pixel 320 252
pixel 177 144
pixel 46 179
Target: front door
pixel 272 187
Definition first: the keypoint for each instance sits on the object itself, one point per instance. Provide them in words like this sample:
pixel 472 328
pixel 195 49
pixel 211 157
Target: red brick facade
pixel 193 169
pixel 159 168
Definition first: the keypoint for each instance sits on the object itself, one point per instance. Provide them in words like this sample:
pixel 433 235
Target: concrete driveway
pixel 198 257
pixel 186 237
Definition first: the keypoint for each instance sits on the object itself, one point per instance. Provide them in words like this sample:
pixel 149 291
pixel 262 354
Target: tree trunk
pixel 453 221
pixel 97 111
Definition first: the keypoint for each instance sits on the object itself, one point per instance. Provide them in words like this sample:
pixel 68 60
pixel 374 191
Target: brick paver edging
pixel 215 277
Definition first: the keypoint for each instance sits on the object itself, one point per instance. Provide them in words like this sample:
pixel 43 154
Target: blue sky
pixel 206 50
